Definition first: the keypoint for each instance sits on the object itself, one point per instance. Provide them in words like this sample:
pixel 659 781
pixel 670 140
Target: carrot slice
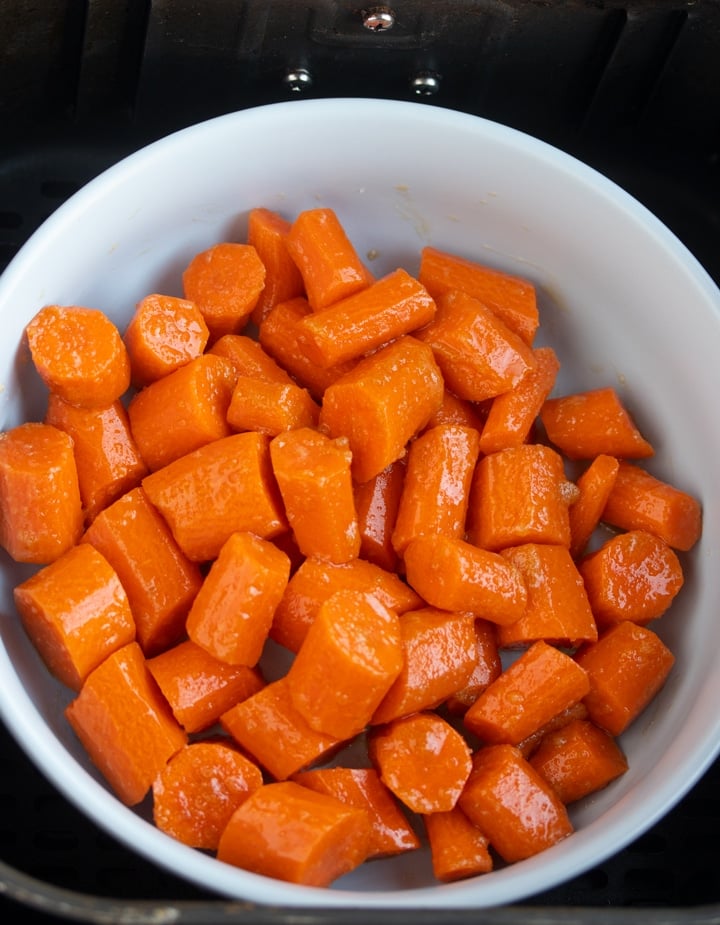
pixel 376 504
pixel 267 233
pixel 270 407
pixel 487 667
pixel 594 487
pixel 249 359
pixel 458 849
pixel 76 612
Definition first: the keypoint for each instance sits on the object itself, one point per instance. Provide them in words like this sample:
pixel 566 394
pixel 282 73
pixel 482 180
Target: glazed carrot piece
pixel 233 610
pixel 269 728
pixel 382 402
pixel 328 262
pixel 577 711
pixel 249 359
pixel 543 682
pixel 512 298
pixel 79 354
pixel 391 832
pixel 594 487
pixel 627 667
pixel 125 724
pixel 440 467
pixel 198 687
pixel 520 495
pixel 454 410
pixel 225 282
pixel 423 760
pixel 578 759
pixel 458 849
pixel 632 576
pixel 439 650
pixel 222 488
pixel 455 575
pixel 313 473
pixel 269 407
pixel 487 667
pixel 392 306
pixel 512 804
pixel 512 415
pixel 164 333
pixel 348 661
pixel 316 580
pixel 641 501
pixel 376 504
pixel 291 833
pixel 76 612
pixel 41 513
pixel 200 788
pixel 182 411
pixel 558 609
pixel 480 357
pixel 159 579
pixel 267 233
pixel 585 424
pixel 107 457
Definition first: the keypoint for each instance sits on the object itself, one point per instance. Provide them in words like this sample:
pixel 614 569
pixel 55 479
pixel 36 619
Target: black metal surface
pixel 631 88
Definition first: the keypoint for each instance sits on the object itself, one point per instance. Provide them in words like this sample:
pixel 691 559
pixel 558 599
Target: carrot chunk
pixel 199 789
pixel 641 501
pixel 160 581
pixel 454 410
pixel 125 724
pixel 270 407
pixel 487 667
pixel 267 233
pixel 76 612
pixel 249 359
pixel 79 354
pixel 594 487
pixel 458 849
pixel 233 610
pixel 41 513
pixel 351 655
pixel 383 402
pixel 543 682
pixel 626 668
pixel 376 503
pixel 454 575
pixel 574 712
pixel 164 333
pixel 512 804
pixel 291 833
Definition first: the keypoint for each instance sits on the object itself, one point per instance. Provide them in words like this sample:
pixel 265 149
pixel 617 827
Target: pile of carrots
pixel 373 475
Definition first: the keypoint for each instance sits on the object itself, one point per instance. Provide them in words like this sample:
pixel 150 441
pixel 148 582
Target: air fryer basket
pixel 632 88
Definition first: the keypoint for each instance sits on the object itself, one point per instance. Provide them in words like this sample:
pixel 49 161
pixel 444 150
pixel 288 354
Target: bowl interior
pixel 621 301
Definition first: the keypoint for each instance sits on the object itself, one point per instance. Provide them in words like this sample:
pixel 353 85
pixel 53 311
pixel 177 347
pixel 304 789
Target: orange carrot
pixel 458 848
pixel 288 832
pixel 454 410
pixel 199 789
pixel 267 233
pixel 488 666
pixel 125 724
pixel 376 504
pixel 79 354
pixel 160 581
pixel 594 487
pixel 164 333
pixel 383 402
pixel 76 612
pixel 249 359
pixel 233 610
pixel 225 282
pixel 270 407
pixel 641 501
pixel 348 661
pixel 543 682
pixel 576 711
pixel 512 804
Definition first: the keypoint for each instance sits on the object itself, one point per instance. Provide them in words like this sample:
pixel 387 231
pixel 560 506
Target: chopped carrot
pixel 291 833
pixel 458 849
pixel 454 410
pixel 488 666
pixel 160 581
pixel 382 403
pixel 79 354
pixel 233 610
pixel 41 513
pixel 455 575
pixel 267 233
pixel 250 359
pixel 376 504
pixel 578 760
pixel 76 612
pixel 199 789
pixel 575 711
pixel 198 687
pixel 641 501
pixel 125 724
pixel 423 760
pixel 512 804
pixel 348 661
pixel 222 488
pixel 543 682
pixel 107 457
pixel 594 487
pixel 626 667
pixel 164 333
pixel 270 407
pixel 225 282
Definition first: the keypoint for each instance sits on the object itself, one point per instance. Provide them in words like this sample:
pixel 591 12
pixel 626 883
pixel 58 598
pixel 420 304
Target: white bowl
pixel 622 301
